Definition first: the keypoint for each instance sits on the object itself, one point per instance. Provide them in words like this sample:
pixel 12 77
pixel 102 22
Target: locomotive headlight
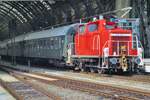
pixel 137 60
pixel 113 60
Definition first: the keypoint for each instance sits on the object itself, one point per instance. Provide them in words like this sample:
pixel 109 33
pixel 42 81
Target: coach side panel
pixel 51 47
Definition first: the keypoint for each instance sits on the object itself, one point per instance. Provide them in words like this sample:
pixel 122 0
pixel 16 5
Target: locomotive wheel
pixel 110 71
pixel 101 71
pixel 135 70
pixel 82 69
pixel 119 71
pixel 130 70
pixel 92 70
pixel 76 68
pixel 138 71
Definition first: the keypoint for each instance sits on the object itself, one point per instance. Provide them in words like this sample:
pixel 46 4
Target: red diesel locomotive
pixel 101 45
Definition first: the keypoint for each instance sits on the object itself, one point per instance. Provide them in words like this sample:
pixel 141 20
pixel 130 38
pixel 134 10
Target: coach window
pixel 62 41
pixel 55 43
pixel 52 43
pixel 82 29
pixel 56 38
pixel 92 27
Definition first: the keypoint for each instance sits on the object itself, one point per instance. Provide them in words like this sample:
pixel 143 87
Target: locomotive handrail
pixel 71 47
pixel 103 58
pixel 128 54
pixel 142 49
pixel 109 41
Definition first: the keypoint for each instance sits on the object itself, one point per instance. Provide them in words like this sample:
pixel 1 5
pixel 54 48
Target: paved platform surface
pixel 4 95
pixel 40 77
pixel 6 77
pixel 147 63
pixel 145 86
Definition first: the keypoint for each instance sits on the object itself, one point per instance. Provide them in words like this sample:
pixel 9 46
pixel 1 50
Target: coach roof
pixel 60 31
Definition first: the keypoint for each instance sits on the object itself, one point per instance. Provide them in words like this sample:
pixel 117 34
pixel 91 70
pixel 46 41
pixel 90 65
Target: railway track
pixel 138 78
pixel 22 90
pixel 91 88
pixel 100 89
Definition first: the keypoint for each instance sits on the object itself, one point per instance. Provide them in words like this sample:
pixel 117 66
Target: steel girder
pixel 36 14
pixel 20 9
pixel 11 12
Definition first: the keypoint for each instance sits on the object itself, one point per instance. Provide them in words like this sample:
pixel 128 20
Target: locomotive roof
pixel 60 31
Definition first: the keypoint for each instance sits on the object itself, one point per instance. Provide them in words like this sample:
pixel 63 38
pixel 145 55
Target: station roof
pixel 35 15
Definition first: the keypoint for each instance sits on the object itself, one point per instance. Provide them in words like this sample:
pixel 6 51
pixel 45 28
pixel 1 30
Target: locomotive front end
pixel 123 52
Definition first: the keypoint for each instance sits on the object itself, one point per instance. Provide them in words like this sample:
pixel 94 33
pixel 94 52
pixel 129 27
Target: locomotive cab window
pixel 82 29
pixel 110 26
pixel 92 27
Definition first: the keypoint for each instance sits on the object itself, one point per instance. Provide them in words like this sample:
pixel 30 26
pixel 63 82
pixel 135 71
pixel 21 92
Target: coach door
pixel 70 45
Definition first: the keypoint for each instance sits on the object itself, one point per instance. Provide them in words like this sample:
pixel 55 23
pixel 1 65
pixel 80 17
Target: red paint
pixel 92 43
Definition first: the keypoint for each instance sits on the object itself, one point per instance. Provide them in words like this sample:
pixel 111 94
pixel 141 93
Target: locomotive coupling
pixel 123 63
pixel 123 59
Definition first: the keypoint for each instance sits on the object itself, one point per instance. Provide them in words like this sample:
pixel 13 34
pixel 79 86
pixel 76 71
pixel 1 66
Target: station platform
pixel 5 95
pixel 7 78
pixel 147 65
